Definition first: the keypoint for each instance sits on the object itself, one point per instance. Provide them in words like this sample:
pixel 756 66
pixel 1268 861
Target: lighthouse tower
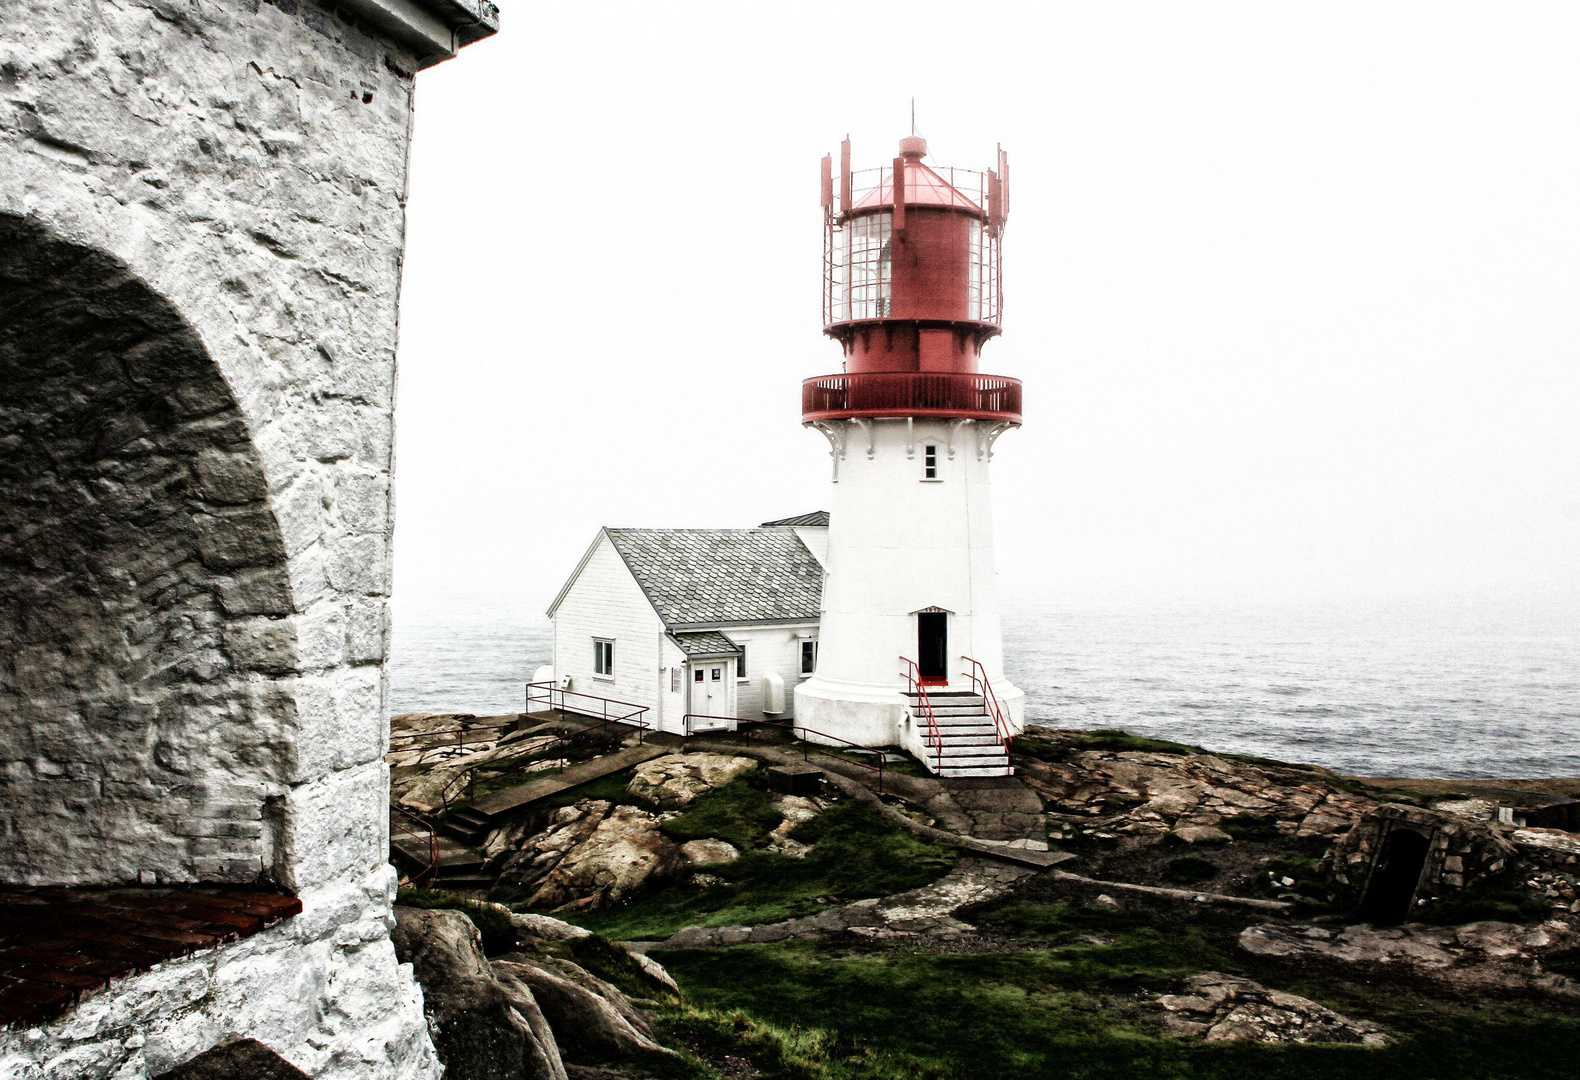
pixel 910 649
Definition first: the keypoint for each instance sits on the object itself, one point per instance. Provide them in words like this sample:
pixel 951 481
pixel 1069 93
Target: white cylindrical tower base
pixel 910 555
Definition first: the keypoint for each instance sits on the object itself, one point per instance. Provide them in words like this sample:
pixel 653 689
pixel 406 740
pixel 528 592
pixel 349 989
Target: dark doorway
pixel 932 647
pixel 1391 890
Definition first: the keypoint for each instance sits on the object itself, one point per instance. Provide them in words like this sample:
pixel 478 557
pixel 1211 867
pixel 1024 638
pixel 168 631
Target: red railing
pixel 425 834
pixel 913 679
pixel 953 394
pixel 978 674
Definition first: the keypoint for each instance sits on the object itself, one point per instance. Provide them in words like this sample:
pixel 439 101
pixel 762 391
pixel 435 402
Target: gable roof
pixel 817 519
pixel 706 644
pixel 710 577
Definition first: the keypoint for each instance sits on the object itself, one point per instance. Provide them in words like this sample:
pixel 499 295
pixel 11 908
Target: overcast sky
pixel 1294 289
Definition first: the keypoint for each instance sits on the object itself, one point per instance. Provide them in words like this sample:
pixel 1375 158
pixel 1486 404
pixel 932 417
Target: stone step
pixel 471 882
pixel 976 770
pixel 467 825
pixel 951 742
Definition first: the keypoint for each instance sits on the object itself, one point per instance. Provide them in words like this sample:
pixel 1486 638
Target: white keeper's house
pixel 697 625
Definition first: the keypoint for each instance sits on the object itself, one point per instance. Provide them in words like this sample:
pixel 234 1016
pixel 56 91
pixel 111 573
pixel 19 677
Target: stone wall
pixel 201 227
pixel 246 164
pixel 143 588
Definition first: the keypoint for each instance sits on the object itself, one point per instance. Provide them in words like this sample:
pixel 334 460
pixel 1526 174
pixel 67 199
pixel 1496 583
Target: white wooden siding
pixel 775 649
pixel 604 601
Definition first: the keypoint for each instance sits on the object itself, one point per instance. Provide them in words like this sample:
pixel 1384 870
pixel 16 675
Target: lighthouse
pixel 910 648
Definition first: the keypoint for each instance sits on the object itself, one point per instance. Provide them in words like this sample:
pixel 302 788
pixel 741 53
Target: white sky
pixel 1294 289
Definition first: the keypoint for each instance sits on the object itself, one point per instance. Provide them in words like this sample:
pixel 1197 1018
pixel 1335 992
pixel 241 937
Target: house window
pixel 697 675
pixel 718 674
pixel 674 680
pixel 929 462
pixel 809 656
pixel 740 664
pixel 603 657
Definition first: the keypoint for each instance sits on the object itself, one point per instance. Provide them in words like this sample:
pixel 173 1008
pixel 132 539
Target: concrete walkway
pixel 524 795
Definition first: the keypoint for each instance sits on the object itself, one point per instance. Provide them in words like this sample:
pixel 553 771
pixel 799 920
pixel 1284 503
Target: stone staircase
pixel 969 738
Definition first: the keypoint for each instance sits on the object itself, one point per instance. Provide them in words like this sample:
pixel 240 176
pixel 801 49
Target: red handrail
pixel 433 843
pixel 913 679
pixel 1000 725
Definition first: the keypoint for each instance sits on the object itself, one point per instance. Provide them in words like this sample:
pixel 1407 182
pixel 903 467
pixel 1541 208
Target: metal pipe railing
pixel 913 679
pixel 1000 725
pixel 807 746
pixel 432 869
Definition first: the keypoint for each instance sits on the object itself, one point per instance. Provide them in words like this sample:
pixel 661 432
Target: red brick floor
pixel 61 946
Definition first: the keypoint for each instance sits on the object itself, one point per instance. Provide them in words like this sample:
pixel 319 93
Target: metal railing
pixel 627 714
pixel 807 746
pixel 953 394
pixel 546 693
pixel 426 834
pixel 978 673
pixel 731 723
pixel 913 680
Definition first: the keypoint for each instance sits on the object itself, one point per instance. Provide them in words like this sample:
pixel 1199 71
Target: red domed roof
pixel 923 187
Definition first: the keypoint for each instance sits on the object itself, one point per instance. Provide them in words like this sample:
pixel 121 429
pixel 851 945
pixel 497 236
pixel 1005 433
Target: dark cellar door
pixel 1390 893
pixel 932 646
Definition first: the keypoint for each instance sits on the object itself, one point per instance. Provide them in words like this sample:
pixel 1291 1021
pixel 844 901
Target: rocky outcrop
pixel 925 912
pixel 484 1027
pixel 591 854
pixel 708 852
pixel 1145 794
pixel 1222 1008
pixel 1471 958
pixel 676 780
pixel 592 1019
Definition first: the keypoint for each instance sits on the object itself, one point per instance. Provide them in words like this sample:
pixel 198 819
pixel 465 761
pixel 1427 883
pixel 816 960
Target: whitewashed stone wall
pixel 248 165
pixel 196 510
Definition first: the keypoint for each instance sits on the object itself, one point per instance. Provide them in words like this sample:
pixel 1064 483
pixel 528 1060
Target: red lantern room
pixel 911 291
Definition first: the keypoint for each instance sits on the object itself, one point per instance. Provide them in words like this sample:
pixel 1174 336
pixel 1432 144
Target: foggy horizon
pixel 1292 294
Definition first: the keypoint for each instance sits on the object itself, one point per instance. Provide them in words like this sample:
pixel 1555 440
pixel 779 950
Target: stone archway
pixel 144 596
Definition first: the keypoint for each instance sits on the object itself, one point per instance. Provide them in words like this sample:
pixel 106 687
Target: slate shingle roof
pixel 706 643
pixel 701 577
pixel 816 519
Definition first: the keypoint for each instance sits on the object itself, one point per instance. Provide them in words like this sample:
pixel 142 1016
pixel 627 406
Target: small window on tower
pixel 930 463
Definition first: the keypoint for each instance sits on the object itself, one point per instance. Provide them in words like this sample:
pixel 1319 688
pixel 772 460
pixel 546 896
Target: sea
pixel 1459 690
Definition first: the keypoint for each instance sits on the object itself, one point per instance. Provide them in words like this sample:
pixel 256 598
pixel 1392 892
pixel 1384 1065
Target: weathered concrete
pixel 201 227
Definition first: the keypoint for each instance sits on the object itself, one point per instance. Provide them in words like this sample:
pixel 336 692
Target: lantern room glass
pixel 866 255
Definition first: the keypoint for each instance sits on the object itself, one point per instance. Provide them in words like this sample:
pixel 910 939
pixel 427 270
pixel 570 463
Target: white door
pixel 710 682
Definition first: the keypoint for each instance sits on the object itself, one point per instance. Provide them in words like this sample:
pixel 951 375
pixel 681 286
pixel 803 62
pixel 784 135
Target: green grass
pixel 739 812
pixel 856 853
pixel 1478 904
pixel 806 1010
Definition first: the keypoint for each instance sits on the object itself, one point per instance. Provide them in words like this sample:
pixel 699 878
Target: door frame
pixel 924 616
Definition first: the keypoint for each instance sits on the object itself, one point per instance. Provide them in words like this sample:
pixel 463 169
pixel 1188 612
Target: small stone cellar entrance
pixel 1390 892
